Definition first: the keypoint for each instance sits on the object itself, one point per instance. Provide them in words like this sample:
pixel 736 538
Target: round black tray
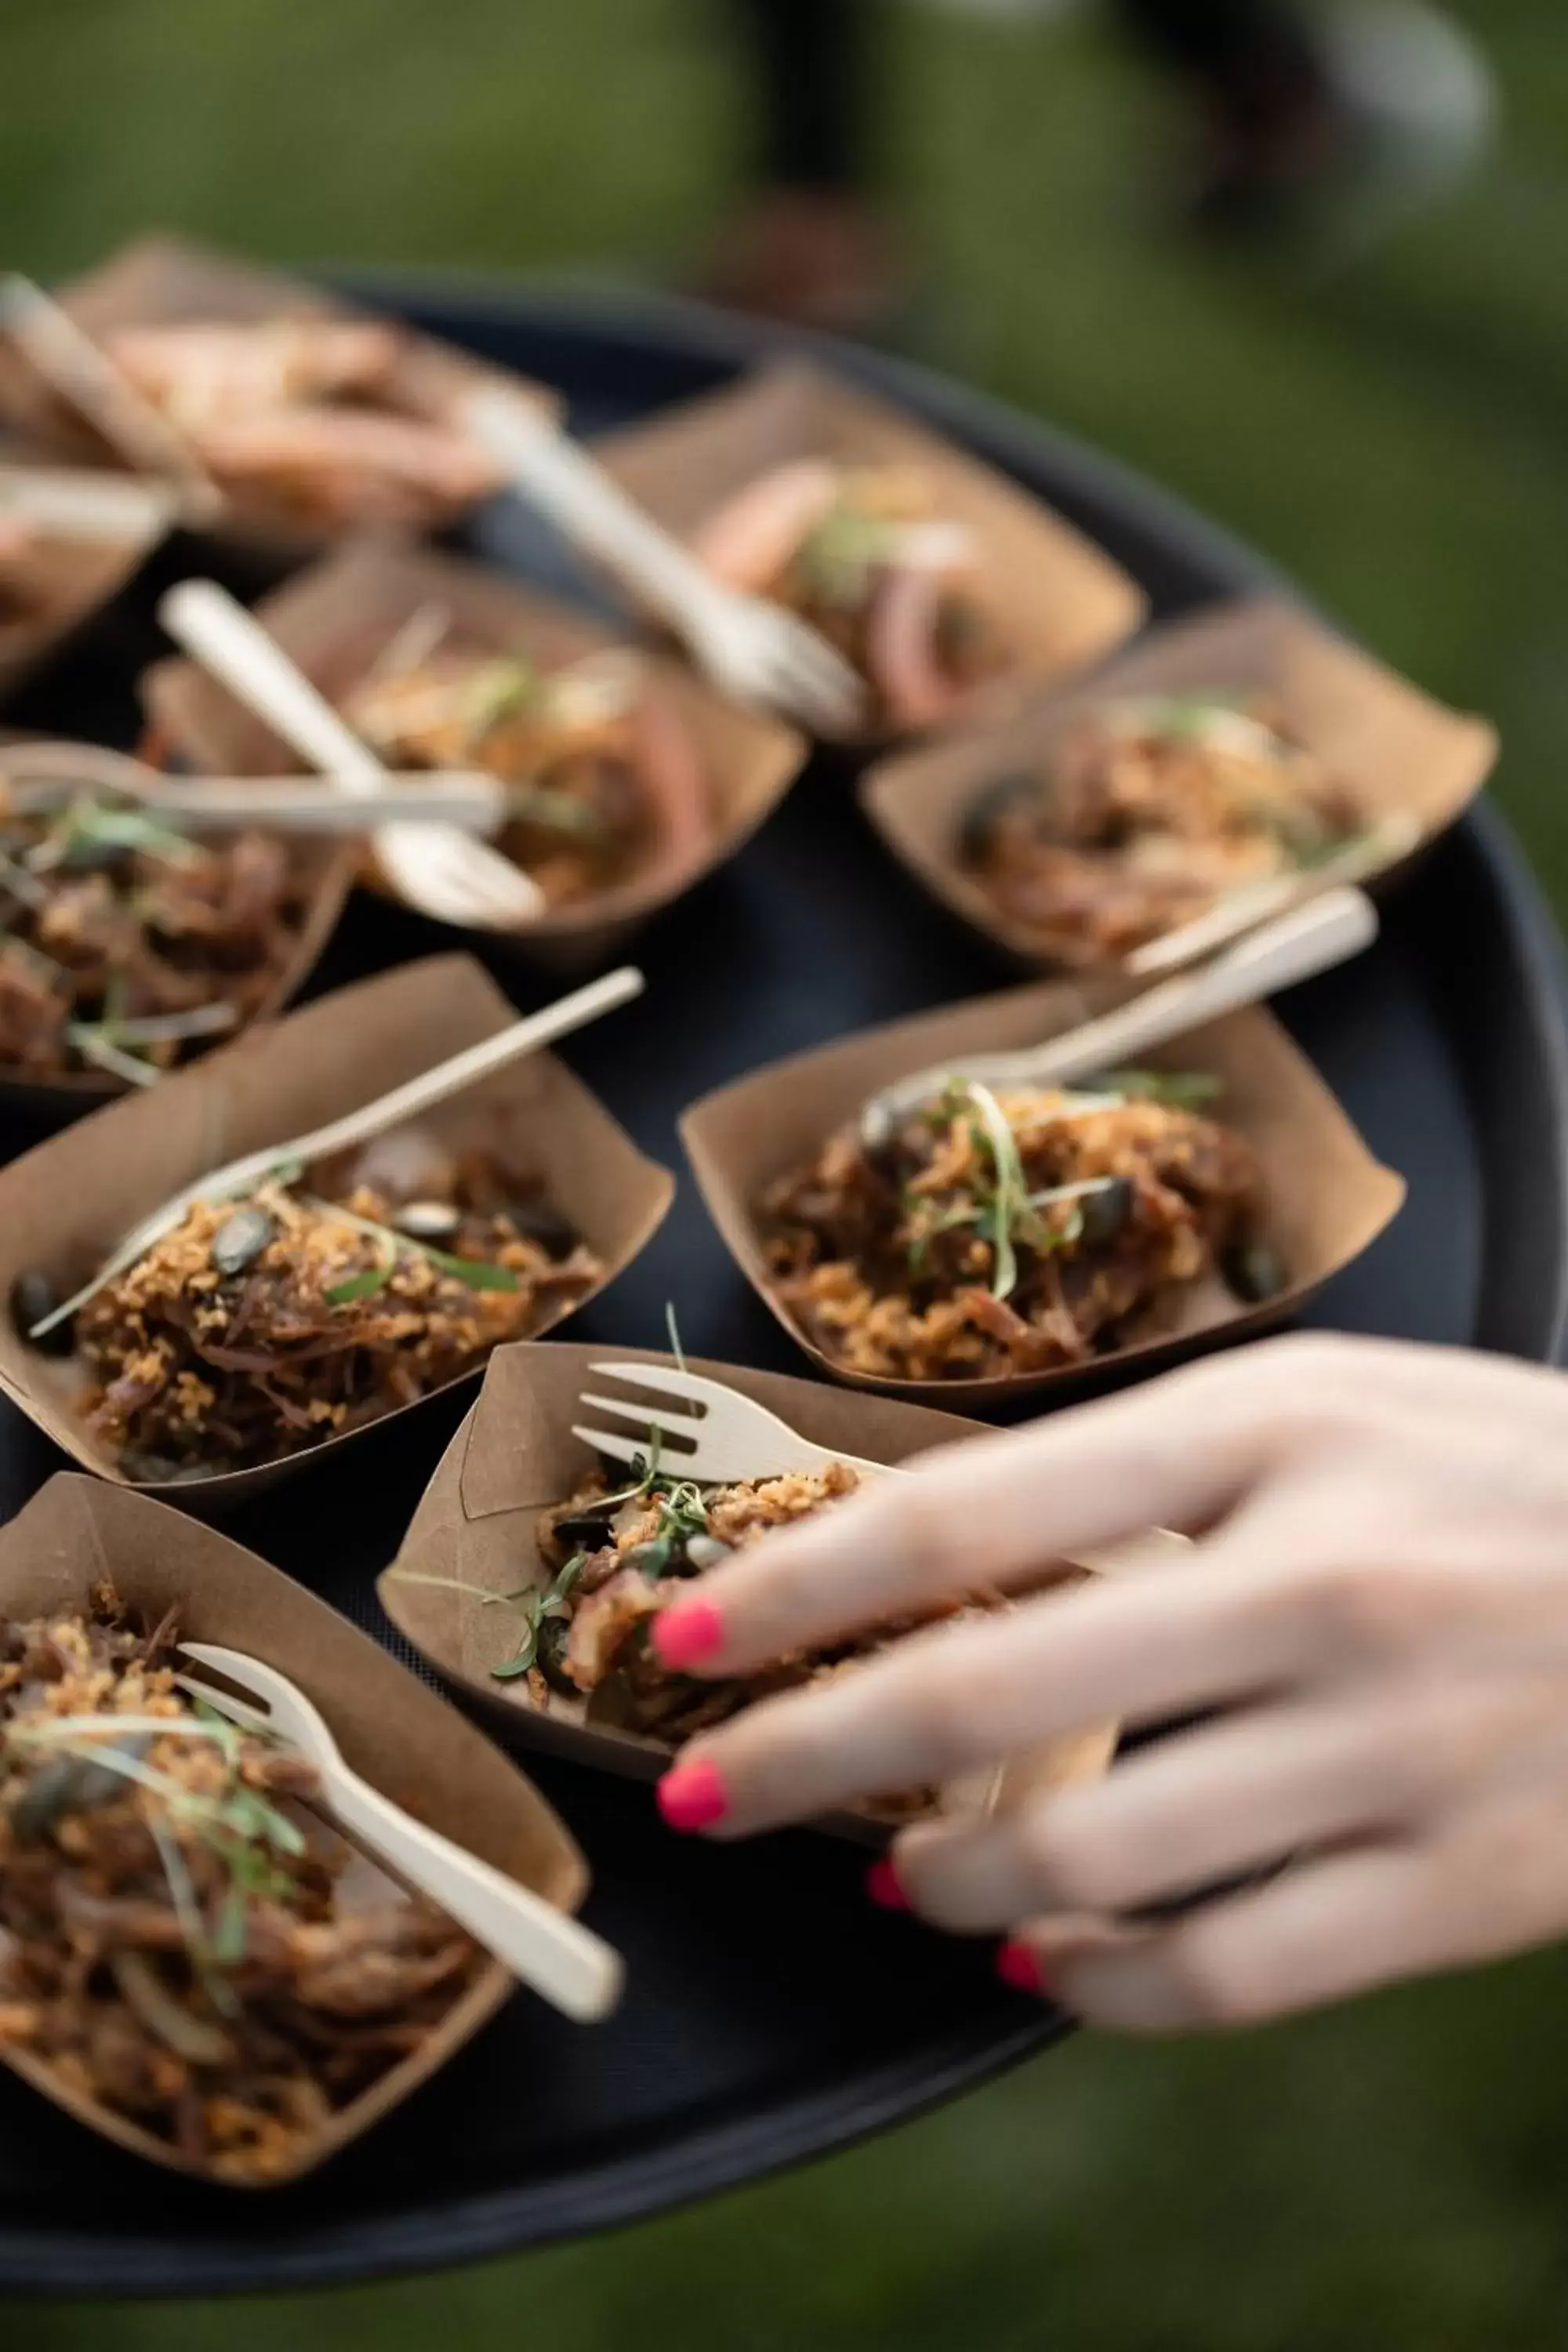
pixel 772 2013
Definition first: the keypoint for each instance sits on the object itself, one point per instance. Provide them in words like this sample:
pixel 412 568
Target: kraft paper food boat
pixel 402 1738
pixel 329 866
pixel 336 619
pixel 65 1205
pixel 1327 1198
pixel 166 281
pixel 1401 754
pixel 515 1455
pixel 75 569
pixel 1050 592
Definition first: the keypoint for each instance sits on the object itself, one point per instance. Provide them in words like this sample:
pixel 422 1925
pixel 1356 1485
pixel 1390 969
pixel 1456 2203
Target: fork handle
pixel 593 509
pixel 572 1969
pixel 226 640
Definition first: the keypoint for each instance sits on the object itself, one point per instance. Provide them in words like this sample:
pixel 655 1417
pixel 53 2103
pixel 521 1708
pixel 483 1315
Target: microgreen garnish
pixel 239 1825
pixel 536 1608
pixel 478 1274
pixel 673 1329
pixel 499 690
pixel 90 825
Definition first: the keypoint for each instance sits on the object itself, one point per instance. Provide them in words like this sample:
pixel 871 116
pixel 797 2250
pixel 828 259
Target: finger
pixel 1196 1809
pixel 992 1512
pixel 1328 1929
pixel 944 1702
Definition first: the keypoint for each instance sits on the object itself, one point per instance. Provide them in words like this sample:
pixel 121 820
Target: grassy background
pixel 1386 2176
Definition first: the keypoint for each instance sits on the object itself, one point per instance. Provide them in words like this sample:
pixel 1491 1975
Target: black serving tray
pixel 772 2013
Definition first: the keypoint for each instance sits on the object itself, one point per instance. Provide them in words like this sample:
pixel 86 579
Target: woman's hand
pixel 1376 1604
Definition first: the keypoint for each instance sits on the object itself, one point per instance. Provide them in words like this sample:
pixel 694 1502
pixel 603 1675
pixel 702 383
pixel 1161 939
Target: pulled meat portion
pixel 179 1943
pixel 605 782
pixel 308 414
pixel 861 553
pixel 613 1560
pixel 991 1234
pixel 258 1328
pixel 1152 812
pixel 126 945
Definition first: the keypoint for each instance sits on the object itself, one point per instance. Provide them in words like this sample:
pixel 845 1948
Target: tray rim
pixel 596 2195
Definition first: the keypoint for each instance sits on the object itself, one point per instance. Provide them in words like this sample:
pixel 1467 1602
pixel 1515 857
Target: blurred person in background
pixel 1306 118
pixel 1366 1645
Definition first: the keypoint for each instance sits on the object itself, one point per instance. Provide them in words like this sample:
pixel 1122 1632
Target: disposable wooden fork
pixel 750 647
pixel 357 1127
pixel 712 1435
pixel 711 1432
pixel 1308 939
pixel 542 1947
pixel 71 363
pixel 435 867
pixel 44 775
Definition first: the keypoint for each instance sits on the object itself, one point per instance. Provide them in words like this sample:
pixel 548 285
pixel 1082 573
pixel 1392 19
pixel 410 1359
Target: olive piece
pixel 992 801
pixel 707 1551
pixel 1106 1213
pixel 427 1221
pixel 539 1219
pixel 1254 1272
pixel 34 1296
pixel 583 1531
pixel 240 1239
pixel 550 1656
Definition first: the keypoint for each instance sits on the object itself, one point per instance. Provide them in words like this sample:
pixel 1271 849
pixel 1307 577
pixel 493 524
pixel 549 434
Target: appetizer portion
pixel 613 1558
pixel 991 1234
pixel 330 1295
pixel 864 554
pixel 1150 811
pixel 605 782
pixel 307 414
pixel 125 944
pixel 183 1942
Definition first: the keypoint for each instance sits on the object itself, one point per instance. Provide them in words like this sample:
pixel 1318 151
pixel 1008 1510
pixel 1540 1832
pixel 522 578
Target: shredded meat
pixel 616 1563
pixel 200 1364
pixel 172 1942
pixel 111 921
pixel 1149 813
pixel 888 1257
pixel 604 780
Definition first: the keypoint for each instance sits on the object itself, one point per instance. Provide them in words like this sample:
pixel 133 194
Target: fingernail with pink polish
pixel 883 1884
pixel 691 1796
pixel 1021 1968
pixel 686 1632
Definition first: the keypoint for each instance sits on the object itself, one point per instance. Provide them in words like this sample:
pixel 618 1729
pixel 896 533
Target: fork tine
pixel 681 1428
pixel 249 1718
pixel 690 1386
pixel 613 1449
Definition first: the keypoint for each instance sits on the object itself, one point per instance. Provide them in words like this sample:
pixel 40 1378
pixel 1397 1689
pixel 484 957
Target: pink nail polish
pixel 883 1887
pixel 1021 1968
pixel 691 1796
pixel 686 1633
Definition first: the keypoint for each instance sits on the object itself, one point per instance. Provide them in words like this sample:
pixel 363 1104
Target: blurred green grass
pixel 1385 2177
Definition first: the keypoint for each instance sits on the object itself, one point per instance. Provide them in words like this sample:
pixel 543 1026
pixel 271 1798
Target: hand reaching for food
pixel 1372 1620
